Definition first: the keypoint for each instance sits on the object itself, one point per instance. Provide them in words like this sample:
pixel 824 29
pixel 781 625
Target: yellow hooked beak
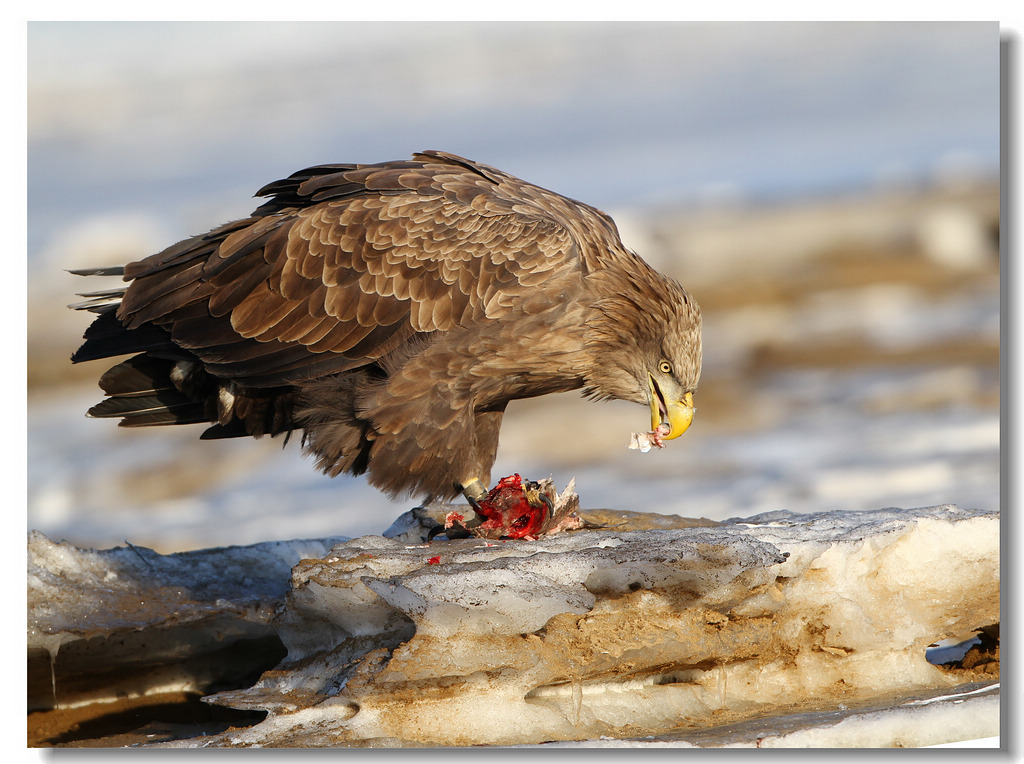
pixel 678 414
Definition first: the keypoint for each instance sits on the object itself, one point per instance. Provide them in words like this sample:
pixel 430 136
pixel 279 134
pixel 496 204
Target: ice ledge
pixel 619 633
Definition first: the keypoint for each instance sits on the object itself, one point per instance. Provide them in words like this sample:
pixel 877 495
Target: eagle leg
pixel 475 492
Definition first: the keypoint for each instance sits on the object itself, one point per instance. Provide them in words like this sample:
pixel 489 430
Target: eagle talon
pixel 535 496
pixel 454 532
pixel 547 500
pixel 474 521
pixel 459 523
pixel 435 531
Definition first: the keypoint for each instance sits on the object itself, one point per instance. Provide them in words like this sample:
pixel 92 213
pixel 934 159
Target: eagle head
pixel 645 340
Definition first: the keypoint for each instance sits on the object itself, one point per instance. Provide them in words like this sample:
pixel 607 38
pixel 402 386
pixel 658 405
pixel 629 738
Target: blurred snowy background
pixel 827 191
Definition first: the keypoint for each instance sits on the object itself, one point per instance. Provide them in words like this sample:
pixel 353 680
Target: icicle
pixel 577 699
pixel 51 643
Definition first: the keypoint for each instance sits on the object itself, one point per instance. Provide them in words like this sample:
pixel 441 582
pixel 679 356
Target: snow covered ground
pixel 781 630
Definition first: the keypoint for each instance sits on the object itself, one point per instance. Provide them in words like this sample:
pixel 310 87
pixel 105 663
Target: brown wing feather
pixel 346 262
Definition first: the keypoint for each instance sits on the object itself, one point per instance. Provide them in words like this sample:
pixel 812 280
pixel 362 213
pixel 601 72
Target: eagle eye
pixel 665 367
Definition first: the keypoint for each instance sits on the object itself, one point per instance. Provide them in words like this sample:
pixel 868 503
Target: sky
pixel 173 126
